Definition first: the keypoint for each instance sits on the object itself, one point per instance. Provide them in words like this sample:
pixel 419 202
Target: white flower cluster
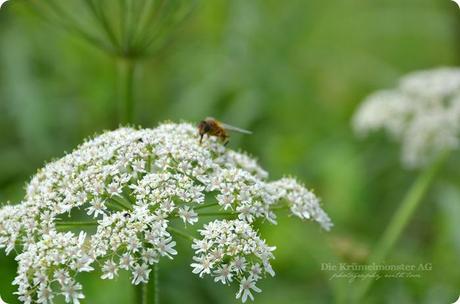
pixel 232 250
pixel 136 185
pixel 58 257
pixel 423 113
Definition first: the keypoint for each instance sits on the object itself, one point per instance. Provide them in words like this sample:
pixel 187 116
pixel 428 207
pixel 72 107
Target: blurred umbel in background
pixel 292 72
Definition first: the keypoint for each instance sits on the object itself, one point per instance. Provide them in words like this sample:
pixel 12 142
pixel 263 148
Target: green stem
pixel 66 21
pixel 146 9
pixel 115 205
pixel 181 233
pixel 99 15
pixel 149 293
pixel 206 206
pixel 126 69
pixel 75 223
pixel 141 292
pixel 399 221
pixel 153 290
pixel 280 207
pixel 128 27
pixel 216 214
pixel 150 23
pixel 121 201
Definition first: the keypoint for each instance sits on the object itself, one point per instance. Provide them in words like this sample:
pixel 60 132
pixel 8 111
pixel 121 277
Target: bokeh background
pixel 291 71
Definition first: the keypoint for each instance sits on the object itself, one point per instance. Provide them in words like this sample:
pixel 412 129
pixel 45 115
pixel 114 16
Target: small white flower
pixel 138 165
pixel 140 274
pixel 114 189
pixel 223 274
pixel 168 206
pixel 202 266
pixel 150 256
pixel 71 292
pixel 45 295
pixel 62 276
pixel 246 285
pixel 166 247
pixel 82 264
pixel 201 245
pixel 256 271
pixel 133 243
pixel 188 215
pixel 126 261
pixel 97 207
pixel 110 270
pixel 239 264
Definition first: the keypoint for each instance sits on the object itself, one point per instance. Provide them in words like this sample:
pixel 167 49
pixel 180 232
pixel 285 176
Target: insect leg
pixel 226 140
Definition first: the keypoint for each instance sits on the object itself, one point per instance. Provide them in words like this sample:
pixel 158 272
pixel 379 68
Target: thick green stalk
pixel 399 221
pixel 148 293
pixel 153 290
pixel 141 291
pixel 126 69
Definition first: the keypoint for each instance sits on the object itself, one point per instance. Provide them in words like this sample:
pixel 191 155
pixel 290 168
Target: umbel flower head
pixel 138 186
pixel 422 112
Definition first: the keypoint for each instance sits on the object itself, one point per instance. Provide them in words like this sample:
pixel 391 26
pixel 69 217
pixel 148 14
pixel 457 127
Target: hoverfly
pixel 213 127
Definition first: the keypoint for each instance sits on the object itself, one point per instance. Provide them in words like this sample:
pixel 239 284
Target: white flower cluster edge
pixel 422 113
pixel 137 184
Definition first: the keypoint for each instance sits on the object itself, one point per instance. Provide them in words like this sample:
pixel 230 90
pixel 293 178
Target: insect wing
pixel 235 129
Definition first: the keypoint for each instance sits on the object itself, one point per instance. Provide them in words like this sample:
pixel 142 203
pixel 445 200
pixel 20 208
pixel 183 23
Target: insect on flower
pixel 213 127
pixel 133 233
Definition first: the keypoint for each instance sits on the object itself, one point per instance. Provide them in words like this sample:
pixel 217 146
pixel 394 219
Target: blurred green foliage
pixel 291 71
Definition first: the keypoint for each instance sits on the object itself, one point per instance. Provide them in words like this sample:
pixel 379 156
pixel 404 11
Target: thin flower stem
pixel 216 214
pixel 400 219
pixel 115 205
pixel 126 69
pixel 181 233
pixel 147 7
pixel 150 21
pixel 122 25
pixel 128 27
pixel 206 206
pixel 127 197
pixel 68 23
pixel 121 201
pixel 162 36
pixel 278 208
pixel 75 223
pixel 99 15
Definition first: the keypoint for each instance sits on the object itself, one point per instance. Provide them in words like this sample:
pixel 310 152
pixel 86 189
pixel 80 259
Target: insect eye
pixel 207 127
